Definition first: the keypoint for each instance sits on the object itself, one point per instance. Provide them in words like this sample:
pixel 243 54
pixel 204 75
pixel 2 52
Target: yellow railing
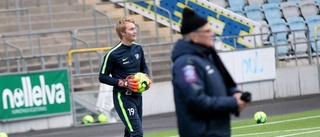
pixel 83 50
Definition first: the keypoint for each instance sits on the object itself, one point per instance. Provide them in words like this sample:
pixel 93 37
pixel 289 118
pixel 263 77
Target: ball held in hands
pixel 144 82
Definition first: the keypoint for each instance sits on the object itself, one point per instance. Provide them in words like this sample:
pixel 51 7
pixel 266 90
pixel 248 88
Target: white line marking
pixel 290 120
pixel 270 123
pixel 299 133
pixel 280 131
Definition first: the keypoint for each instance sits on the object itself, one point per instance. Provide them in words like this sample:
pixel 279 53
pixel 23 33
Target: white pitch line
pixel 270 123
pixel 279 131
pixel 299 133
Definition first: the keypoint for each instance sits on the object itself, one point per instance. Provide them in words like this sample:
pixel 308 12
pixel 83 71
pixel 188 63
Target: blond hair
pixel 121 25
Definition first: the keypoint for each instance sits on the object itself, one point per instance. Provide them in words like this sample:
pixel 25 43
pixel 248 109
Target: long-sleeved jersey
pixel 120 62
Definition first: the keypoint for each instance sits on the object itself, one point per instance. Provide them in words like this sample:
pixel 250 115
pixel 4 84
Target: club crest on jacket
pixel 189 73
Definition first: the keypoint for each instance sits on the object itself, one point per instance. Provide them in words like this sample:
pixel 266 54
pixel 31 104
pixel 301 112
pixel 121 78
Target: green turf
pixel 166 133
pixel 284 125
pixel 306 124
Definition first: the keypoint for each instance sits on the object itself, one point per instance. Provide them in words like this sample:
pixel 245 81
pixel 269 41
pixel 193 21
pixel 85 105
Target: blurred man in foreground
pixel 204 92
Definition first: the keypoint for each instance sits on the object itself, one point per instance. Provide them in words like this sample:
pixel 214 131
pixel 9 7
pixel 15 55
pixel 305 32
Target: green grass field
pixel 306 124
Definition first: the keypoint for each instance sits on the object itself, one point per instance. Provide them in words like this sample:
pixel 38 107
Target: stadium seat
pixel 296 25
pixel 265 30
pixel 290 9
pixel 221 3
pixel 237 10
pixel 312 22
pixel 279 30
pixel 299 43
pixel 282 47
pixel 318 3
pixel 271 11
pixel 236 3
pixel 253 12
pixel 256 2
pixel 308 8
pixel 275 1
pixel 296 1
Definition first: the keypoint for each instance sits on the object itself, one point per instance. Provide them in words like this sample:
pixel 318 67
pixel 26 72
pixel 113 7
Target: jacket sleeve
pixel 143 64
pixel 233 90
pixel 105 71
pixel 190 90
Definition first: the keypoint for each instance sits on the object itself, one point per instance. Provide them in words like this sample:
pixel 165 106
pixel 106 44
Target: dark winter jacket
pixel 203 99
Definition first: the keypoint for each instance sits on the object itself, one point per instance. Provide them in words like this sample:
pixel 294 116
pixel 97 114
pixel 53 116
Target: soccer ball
pixel 144 81
pixel 260 117
pixel 87 119
pixel 3 134
pixel 103 118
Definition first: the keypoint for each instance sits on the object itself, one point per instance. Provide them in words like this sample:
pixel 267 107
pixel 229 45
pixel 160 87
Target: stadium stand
pixel 289 9
pixel 282 47
pixel 298 43
pixel 237 10
pixel 279 35
pixel 253 12
pixel 279 28
pixel 72 17
pixel 283 19
pixel 271 11
pixel 76 18
pixel 297 37
pixel 221 3
pixel 237 3
pixel 308 8
pixel 318 3
pixel 296 23
pixel 312 22
pixel 265 30
pixel 275 1
pixel 256 2
pixel 296 1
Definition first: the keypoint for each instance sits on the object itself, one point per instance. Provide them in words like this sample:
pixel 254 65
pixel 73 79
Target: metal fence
pixel 31 51
pixel 20 5
pixel 18 12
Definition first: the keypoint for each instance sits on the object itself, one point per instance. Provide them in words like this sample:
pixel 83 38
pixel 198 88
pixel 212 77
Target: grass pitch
pixel 306 124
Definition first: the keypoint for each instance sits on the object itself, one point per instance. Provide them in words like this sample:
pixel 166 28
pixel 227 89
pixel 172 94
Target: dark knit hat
pixel 191 21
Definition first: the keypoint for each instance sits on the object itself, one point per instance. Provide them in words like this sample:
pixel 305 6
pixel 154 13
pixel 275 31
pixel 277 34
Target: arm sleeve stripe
pixel 106 58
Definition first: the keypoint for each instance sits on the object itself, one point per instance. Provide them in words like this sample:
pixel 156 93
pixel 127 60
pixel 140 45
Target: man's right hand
pixel 130 82
pixel 241 103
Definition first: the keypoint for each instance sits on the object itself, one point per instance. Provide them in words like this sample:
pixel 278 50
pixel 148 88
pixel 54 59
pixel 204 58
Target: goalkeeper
pixel 122 62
